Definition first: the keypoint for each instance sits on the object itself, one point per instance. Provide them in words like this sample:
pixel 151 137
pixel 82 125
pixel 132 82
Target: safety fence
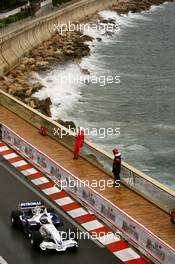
pixel 148 243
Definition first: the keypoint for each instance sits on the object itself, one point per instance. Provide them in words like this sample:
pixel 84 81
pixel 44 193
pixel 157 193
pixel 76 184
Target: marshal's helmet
pixel 116 152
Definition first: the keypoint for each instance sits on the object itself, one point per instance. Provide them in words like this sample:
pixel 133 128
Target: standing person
pixel 79 139
pixel 116 167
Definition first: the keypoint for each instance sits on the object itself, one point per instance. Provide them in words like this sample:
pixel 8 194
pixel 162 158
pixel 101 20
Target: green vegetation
pixel 28 11
pixel 13 18
pixel 25 12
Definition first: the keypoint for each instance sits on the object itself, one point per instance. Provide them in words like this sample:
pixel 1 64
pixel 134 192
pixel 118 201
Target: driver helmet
pixel 44 220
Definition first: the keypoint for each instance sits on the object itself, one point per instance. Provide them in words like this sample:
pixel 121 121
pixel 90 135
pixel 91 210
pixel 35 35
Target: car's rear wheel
pixel 35 239
pixel 15 219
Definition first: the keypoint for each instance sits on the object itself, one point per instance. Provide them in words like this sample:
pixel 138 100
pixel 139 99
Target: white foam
pixel 63 94
pixel 156 7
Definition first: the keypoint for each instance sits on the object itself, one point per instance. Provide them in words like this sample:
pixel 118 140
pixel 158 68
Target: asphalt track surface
pixel 14 244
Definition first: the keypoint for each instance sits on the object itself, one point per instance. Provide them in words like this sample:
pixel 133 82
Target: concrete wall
pixel 131 177
pixel 15 44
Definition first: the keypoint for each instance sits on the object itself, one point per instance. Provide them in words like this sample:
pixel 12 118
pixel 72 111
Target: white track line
pixel 10 156
pixel 126 254
pixel 2 260
pixel 19 163
pixel 3 148
pixel 77 212
pixel 51 190
pixel 64 201
pixel 29 172
pixel 92 225
pixel 108 239
pixel 39 181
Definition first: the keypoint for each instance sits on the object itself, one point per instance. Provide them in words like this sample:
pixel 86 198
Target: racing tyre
pixel 35 239
pixel 15 220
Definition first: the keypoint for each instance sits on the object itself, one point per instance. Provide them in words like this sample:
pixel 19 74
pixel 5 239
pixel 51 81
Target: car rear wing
pixel 31 205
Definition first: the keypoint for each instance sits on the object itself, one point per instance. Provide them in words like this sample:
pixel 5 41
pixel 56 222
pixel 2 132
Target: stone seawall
pixel 30 34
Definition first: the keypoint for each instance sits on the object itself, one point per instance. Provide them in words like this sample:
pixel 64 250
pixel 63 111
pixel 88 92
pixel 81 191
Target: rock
pixel 27 60
pixel 69 52
pixel 5 78
pixel 99 39
pixel 36 87
pixel 70 43
pixel 29 92
pixel 32 103
pixel 50 52
pixel 21 94
pixel 41 65
pixel 67 124
pixel 4 88
pixel 112 21
pixel 27 100
pixel 136 5
pixel 15 73
pixel 86 38
pixel 23 82
pixel 85 71
pixel 85 52
pixel 42 105
pixel 51 59
pixel 22 67
pixel 58 52
pixel 105 21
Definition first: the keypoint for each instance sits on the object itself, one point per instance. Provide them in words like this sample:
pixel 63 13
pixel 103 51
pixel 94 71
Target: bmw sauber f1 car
pixel 42 225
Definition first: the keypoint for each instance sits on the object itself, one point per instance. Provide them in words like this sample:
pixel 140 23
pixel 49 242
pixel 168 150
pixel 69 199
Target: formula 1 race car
pixel 31 215
pixel 42 227
pixel 48 237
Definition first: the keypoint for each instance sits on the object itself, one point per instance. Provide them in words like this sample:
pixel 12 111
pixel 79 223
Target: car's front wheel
pixel 15 219
pixel 35 239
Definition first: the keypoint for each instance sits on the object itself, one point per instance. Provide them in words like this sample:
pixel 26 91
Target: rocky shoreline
pixel 134 6
pixel 61 49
